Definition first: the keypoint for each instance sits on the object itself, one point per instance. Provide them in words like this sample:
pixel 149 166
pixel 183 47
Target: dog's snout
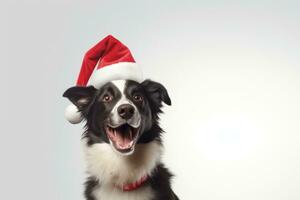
pixel 126 111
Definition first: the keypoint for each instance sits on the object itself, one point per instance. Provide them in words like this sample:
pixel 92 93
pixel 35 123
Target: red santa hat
pixel 107 61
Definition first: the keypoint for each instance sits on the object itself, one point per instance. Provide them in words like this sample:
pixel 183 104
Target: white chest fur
pixel 112 169
pixel 110 193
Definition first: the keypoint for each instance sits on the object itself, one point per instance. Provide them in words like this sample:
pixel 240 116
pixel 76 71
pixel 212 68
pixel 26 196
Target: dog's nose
pixel 126 111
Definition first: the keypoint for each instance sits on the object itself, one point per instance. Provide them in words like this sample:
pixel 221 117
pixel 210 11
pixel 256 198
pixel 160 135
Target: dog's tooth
pixel 115 132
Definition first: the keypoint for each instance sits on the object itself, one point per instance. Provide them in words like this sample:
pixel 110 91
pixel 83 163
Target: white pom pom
pixel 72 114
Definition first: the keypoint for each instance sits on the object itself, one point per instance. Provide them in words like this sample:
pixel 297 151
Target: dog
pixel 122 140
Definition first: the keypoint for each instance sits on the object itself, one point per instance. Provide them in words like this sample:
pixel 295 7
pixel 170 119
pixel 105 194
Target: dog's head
pixel 121 113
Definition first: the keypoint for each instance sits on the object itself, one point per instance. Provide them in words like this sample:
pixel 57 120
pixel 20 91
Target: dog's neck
pixel 133 186
pixel 113 169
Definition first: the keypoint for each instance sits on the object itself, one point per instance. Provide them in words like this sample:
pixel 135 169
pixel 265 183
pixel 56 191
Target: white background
pixel 231 68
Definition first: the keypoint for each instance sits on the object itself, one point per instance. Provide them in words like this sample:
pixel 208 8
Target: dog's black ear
pixel 157 92
pixel 80 96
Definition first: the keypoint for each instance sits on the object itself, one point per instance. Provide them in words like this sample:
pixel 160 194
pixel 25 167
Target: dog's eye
pixel 107 98
pixel 138 97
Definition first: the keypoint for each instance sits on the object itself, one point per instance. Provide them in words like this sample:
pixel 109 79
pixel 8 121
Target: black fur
pixel 90 185
pixel 95 112
pixel 160 182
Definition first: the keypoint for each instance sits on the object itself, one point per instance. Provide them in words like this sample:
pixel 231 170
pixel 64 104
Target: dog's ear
pixel 80 96
pixel 156 92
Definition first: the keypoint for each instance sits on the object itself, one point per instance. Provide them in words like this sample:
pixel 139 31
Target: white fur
pixel 109 193
pixel 120 84
pixel 112 169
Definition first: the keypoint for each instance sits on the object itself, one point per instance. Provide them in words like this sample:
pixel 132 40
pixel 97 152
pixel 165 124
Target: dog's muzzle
pixel 123 128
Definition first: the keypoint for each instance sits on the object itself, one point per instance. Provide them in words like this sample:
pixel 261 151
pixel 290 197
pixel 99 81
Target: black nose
pixel 126 111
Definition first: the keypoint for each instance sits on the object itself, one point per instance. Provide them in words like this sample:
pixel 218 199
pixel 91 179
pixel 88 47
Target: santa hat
pixel 107 61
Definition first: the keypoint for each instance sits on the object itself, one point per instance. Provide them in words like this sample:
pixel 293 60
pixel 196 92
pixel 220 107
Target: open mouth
pixel 123 137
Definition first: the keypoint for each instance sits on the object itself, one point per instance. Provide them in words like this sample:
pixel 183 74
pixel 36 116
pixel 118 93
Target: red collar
pixel 133 186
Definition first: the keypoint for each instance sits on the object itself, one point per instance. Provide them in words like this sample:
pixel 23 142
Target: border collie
pixel 122 141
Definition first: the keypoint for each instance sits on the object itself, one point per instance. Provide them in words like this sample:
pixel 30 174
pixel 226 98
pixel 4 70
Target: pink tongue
pixel 122 142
